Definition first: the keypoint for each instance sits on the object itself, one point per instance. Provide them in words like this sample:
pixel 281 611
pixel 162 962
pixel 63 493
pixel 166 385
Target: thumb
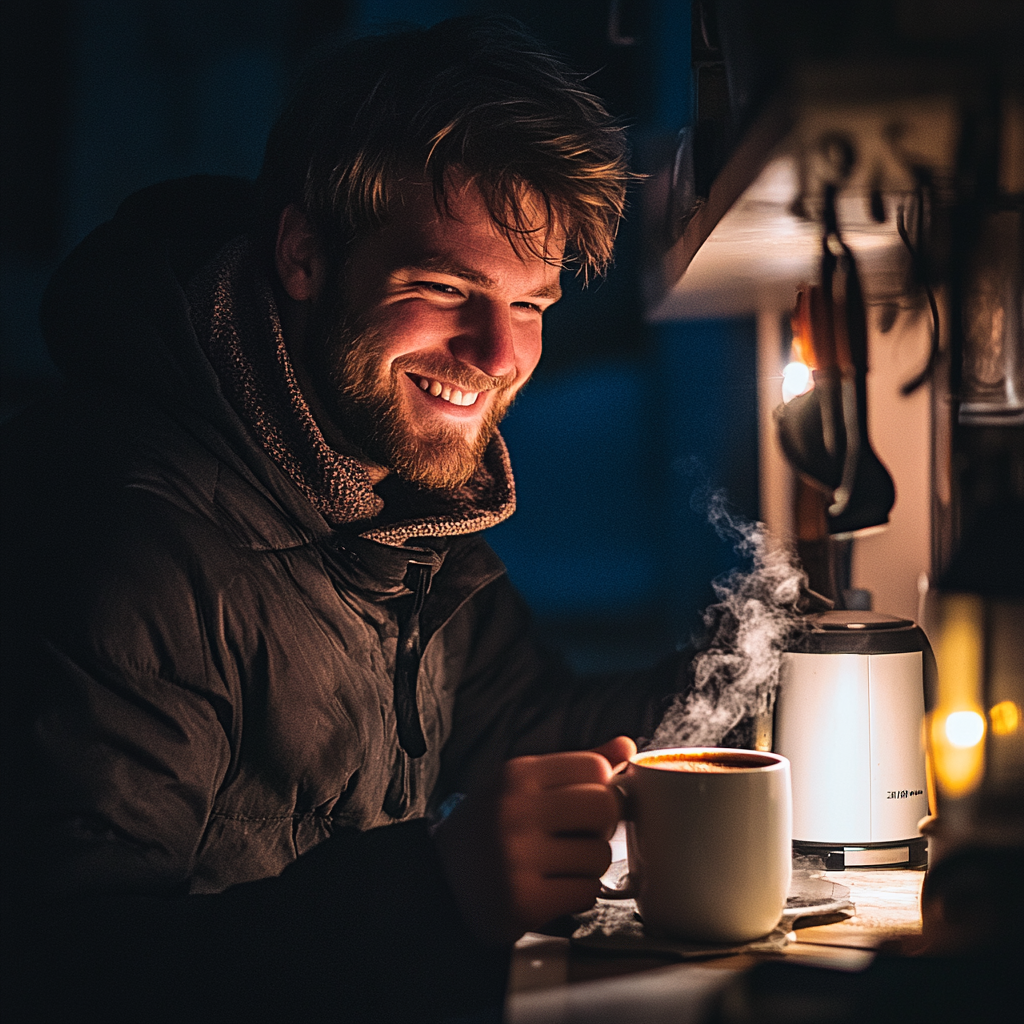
pixel 620 749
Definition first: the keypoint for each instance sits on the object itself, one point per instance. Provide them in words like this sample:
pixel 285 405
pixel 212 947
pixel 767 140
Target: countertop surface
pixel 554 982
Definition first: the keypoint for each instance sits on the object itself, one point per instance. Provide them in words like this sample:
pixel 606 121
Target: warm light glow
pixel 796 380
pixel 957 725
pixel 1005 718
pixel 965 728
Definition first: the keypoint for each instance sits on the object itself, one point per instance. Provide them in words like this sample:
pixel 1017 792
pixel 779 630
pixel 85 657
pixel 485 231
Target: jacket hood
pixel 114 313
pixel 119 323
pixel 116 321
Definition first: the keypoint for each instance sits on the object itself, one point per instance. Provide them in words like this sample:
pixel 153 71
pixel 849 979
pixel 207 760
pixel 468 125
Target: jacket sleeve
pixel 113 760
pixel 361 928
pixel 518 697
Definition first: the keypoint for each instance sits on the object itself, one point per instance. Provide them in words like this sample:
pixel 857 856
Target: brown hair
pixel 474 93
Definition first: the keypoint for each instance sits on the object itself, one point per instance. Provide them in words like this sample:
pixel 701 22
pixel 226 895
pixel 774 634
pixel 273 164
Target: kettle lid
pixel 858 620
pixel 858 632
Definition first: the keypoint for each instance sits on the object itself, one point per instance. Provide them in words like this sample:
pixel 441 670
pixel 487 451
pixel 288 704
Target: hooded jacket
pixel 231 717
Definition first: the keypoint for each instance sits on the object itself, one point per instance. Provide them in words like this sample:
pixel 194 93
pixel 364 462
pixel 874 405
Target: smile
pixel 445 391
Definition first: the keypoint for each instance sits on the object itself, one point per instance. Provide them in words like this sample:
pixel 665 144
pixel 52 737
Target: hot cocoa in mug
pixel 703 761
pixel 709 834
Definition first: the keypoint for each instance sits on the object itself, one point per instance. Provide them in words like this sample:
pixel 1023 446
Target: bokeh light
pixel 965 728
pixel 796 380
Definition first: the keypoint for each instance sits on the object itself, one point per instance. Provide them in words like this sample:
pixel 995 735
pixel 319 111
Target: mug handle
pixel 625 889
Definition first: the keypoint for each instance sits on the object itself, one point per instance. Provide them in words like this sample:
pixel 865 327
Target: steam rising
pixel 736 673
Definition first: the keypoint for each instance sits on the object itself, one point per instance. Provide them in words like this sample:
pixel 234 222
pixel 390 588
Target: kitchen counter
pixel 553 982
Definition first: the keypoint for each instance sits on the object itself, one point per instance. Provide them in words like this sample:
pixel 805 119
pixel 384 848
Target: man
pixel 255 647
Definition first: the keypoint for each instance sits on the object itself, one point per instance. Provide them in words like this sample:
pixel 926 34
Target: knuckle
pixel 594 764
pixel 519 769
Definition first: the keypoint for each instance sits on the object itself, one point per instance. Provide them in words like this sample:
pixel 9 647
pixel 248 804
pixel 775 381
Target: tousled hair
pixel 474 94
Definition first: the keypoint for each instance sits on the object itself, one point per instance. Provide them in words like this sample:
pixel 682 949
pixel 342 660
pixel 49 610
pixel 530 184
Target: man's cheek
pixel 528 353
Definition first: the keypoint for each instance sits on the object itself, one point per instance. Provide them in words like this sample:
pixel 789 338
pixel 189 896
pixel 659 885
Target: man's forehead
pixel 420 217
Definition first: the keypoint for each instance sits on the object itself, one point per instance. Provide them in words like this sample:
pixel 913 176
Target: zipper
pixel 407 662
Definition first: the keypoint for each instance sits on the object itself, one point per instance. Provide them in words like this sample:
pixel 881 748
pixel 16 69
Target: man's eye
pixel 441 289
pixel 531 306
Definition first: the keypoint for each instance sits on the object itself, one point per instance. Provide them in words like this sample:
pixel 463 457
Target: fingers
pixel 534 846
pixel 540 900
pixel 615 751
pixel 559 856
pixel 510 880
pixel 570 767
pixel 589 809
pixel 547 771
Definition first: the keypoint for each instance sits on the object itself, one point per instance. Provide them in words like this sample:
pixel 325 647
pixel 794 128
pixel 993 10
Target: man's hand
pixel 534 845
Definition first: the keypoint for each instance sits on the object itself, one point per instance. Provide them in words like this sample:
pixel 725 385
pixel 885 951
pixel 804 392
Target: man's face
pixel 440 328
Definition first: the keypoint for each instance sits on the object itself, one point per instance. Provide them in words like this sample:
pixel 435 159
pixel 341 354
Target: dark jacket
pixel 208 812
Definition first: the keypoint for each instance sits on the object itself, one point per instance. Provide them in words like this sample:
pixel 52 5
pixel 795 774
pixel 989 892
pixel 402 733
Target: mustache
pixel 347 339
pixel 464 377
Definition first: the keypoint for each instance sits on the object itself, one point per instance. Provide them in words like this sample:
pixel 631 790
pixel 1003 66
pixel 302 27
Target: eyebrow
pixel 441 264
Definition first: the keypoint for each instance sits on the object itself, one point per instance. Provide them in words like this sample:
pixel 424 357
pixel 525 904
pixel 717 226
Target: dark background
pixel 626 424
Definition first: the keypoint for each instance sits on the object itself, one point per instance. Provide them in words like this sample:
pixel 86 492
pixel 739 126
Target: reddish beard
pixel 365 398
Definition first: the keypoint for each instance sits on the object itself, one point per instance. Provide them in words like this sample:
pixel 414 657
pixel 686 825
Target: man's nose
pixel 486 339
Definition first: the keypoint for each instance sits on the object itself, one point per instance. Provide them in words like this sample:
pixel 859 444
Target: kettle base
pixel 907 853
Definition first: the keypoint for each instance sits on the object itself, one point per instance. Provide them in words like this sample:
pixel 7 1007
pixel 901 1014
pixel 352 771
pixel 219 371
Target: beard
pixel 366 397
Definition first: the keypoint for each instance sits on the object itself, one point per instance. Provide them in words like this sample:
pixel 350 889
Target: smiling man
pixel 256 649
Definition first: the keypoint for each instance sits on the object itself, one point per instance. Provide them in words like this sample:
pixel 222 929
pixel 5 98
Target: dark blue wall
pixel 614 463
pixel 624 422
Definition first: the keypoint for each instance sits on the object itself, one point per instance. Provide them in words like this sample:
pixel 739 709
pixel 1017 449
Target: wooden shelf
pixel 746 248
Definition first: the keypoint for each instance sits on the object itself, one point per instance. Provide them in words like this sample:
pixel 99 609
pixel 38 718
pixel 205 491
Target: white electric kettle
pixel 848 716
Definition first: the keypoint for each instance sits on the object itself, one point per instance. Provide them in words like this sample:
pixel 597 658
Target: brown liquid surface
pixel 705 763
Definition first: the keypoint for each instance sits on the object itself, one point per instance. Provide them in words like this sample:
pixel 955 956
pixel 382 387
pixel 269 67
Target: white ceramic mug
pixel 709 834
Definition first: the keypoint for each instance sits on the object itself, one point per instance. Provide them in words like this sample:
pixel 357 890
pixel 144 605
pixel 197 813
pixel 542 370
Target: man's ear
pixel 297 256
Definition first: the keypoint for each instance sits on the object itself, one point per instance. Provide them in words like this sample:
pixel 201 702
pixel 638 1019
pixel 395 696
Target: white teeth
pixel 446 391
